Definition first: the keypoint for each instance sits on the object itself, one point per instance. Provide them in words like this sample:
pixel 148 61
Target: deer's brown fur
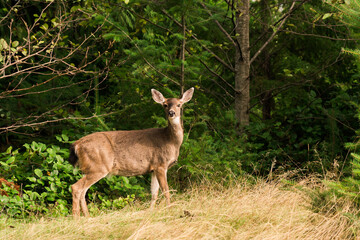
pixel 130 153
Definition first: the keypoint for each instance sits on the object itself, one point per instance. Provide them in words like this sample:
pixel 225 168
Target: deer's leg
pixel 161 177
pixel 154 189
pixel 79 190
pixel 76 193
pixel 90 180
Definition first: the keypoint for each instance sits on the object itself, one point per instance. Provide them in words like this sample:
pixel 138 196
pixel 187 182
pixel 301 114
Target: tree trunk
pixel 242 63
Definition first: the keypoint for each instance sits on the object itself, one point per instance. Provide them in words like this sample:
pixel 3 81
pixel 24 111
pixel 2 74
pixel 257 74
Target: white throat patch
pixel 175 121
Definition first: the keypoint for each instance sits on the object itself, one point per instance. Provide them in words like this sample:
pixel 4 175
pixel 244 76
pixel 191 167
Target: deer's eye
pixel 178 105
pixel 165 105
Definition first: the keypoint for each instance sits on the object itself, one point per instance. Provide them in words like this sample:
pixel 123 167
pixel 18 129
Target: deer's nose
pixel 171 113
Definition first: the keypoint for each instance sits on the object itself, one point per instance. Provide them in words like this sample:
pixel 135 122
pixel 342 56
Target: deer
pixel 130 153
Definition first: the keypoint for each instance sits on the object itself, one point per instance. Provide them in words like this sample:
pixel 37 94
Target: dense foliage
pixel 70 68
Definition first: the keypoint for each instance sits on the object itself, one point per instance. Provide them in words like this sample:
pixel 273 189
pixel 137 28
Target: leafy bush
pixel 350 186
pixel 45 178
pixel 209 157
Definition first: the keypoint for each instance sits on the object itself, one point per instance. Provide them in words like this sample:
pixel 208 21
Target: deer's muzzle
pixel 171 113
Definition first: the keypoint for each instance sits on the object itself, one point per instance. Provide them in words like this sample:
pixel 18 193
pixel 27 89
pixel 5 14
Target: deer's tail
pixel 73 158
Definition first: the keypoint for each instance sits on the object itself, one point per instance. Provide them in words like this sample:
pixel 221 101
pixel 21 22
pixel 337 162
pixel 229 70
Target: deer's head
pixel 172 106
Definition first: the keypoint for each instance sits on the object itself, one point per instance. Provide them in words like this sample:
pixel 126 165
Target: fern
pixel 349 14
pixel 355 52
pixel 350 186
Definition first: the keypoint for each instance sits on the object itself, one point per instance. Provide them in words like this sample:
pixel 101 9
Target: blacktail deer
pixel 130 153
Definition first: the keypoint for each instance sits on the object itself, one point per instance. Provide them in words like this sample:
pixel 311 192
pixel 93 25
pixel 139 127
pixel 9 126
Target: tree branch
pixel 274 33
pixel 219 25
pixel 202 45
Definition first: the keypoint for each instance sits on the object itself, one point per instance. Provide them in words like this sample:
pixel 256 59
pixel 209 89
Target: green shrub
pixel 45 177
pixel 350 186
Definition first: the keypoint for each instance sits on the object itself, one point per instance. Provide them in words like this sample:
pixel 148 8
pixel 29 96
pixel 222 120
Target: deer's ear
pixel 157 96
pixel 187 95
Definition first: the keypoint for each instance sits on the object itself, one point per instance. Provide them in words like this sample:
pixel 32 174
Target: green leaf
pixel 40 181
pixel 3 44
pixel 326 15
pixel 312 93
pixel 24 52
pixel 53 187
pixel 125 179
pixel 34 146
pixel 10 160
pixel 38 172
pixel 66 138
pixel 356 156
pixel 14 44
pixel 31 179
pixel 8 151
pixel 45 27
pixel 42 147
pixel 4 164
pixel 75 8
pixel 59 158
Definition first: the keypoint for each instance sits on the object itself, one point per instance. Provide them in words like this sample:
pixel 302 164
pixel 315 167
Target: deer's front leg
pixel 162 179
pixel 154 189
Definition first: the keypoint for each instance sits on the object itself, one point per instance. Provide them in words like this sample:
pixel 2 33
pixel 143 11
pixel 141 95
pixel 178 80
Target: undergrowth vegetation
pixel 288 169
pixel 245 209
pixel 45 177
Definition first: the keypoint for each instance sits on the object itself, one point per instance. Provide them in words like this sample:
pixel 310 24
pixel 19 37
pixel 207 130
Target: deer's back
pixel 126 153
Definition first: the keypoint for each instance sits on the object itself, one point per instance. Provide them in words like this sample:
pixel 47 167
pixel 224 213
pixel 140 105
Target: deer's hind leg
pixel 79 190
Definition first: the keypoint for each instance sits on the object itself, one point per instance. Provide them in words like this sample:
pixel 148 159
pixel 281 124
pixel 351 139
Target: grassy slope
pixel 263 211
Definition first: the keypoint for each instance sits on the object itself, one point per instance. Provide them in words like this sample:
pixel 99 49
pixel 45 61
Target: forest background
pixel 276 91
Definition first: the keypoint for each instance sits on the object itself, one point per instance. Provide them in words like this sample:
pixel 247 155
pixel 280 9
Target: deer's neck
pixel 175 131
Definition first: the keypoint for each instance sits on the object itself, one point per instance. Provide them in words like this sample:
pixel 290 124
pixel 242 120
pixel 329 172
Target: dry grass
pixel 263 211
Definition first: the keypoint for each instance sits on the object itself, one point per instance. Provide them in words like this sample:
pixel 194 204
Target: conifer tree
pixel 349 13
